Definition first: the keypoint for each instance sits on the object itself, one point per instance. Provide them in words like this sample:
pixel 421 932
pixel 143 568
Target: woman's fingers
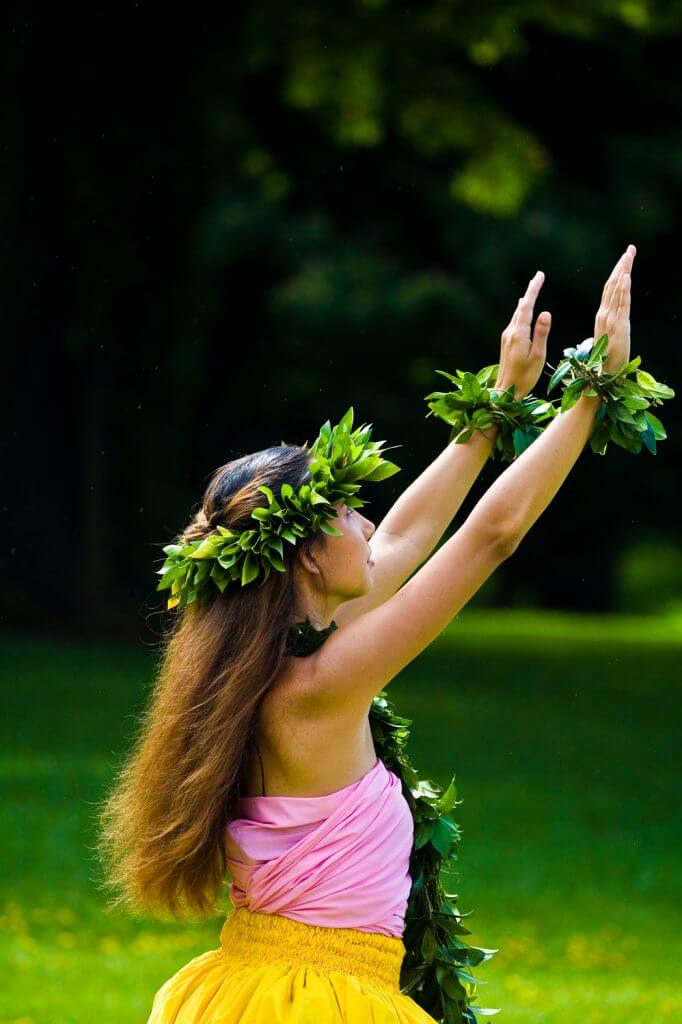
pixel 612 283
pixel 524 309
pixel 624 265
pixel 540 334
pixel 611 286
pixel 611 296
pixel 624 299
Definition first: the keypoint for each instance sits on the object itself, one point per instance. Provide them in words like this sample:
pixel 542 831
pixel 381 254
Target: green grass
pixel 563 732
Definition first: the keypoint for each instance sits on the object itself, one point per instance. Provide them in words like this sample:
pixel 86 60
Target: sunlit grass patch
pixel 564 738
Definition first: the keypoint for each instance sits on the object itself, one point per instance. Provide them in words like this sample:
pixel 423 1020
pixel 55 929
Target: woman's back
pixel 304 752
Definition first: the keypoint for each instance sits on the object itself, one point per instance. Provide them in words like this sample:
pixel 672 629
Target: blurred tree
pixel 225 228
pixel 648 576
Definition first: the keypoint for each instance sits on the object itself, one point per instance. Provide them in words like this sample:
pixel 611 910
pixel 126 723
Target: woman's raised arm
pixel 419 517
pixel 359 659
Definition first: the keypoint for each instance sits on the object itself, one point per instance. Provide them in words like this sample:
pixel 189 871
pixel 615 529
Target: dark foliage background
pixel 221 229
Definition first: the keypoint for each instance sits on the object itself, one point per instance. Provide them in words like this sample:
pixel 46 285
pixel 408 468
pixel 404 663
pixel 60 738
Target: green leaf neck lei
pixel 436 968
pixel 303 638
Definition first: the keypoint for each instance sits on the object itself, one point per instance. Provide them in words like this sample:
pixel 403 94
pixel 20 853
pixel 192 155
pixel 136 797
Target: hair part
pixel 161 826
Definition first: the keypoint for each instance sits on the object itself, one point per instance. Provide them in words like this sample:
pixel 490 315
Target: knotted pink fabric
pixel 339 860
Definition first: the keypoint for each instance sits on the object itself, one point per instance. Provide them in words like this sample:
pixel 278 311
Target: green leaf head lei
pixel 341 459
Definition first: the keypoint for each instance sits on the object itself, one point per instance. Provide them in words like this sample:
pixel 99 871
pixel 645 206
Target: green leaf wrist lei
pixel 627 395
pixel 475 404
pixel 623 416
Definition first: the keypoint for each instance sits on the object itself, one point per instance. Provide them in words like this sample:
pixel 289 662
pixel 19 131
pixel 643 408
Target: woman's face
pixel 345 561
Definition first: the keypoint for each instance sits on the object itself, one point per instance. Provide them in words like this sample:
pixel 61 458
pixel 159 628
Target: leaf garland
pixel 303 638
pixel 342 458
pixel 623 415
pixel 436 968
pixel 475 404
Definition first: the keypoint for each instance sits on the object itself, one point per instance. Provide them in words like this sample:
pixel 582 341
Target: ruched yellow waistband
pixel 252 939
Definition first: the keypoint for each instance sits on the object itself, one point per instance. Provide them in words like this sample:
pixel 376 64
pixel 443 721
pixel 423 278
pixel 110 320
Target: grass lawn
pixel 563 732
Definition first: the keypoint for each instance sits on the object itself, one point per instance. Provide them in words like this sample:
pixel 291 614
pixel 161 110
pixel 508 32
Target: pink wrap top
pixel 339 860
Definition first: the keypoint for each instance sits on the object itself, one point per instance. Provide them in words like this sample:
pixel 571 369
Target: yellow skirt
pixel 271 969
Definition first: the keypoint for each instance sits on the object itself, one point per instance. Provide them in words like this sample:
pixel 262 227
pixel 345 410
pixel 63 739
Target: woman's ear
pixel 307 561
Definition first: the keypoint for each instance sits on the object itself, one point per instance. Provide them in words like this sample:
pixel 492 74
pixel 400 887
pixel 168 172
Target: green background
pixel 222 228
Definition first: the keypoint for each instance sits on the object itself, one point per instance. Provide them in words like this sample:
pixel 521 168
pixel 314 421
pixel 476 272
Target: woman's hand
pixel 613 315
pixel 521 358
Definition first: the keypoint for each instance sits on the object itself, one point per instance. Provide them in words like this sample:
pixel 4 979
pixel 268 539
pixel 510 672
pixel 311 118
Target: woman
pixel 256 758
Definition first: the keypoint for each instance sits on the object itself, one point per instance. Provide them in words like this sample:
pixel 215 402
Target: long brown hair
pixel 161 826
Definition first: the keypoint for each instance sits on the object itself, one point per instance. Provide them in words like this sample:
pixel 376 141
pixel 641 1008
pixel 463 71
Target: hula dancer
pixel 269 749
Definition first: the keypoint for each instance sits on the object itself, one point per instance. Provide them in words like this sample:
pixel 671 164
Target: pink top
pixel 339 860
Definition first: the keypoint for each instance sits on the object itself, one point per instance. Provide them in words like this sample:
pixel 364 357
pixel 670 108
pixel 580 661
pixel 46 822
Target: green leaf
pixel 226 532
pixel 382 472
pixel 569 398
pixel 454 987
pixel 331 530
pixel 645 378
pixel 632 365
pixel 422 834
pixel 465 976
pixel 227 560
pixel 429 947
pixel 207 548
pixel 635 402
pixel 448 799
pixel 649 439
pixel 347 418
pixel 317 499
pixel 542 408
pixel 276 543
pixel 268 493
pixel 276 560
pixel 202 572
pixel 599 349
pixel 622 413
pixel 250 569
pixel 443 836
pixel 411 978
pixel 656 426
pixel 560 372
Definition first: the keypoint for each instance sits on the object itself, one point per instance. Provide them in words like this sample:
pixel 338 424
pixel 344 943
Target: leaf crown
pixel 341 458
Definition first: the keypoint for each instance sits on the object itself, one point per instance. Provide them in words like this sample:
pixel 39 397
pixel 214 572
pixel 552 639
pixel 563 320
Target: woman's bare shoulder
pixel 296 692
pixel 308 746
